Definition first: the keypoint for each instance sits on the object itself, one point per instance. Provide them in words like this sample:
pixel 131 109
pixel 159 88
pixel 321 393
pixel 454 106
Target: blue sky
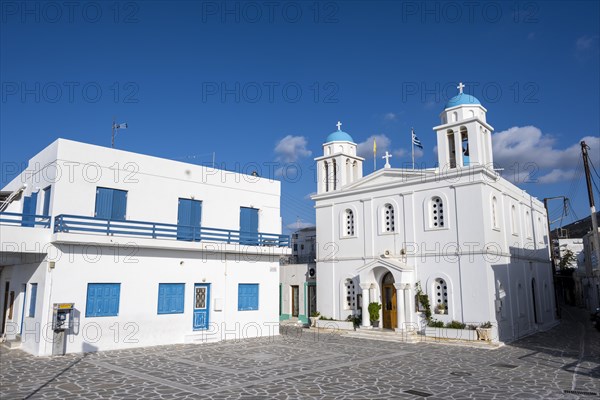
pixel 259 83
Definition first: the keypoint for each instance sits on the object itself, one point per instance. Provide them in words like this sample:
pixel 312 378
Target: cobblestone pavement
pixel 302 364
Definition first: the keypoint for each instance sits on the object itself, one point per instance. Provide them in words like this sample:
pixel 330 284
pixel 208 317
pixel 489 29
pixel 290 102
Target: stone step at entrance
pixel 383 335
pixel 12 344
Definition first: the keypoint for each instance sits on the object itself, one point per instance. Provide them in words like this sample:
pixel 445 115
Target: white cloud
pixel 299 225
pixel 291 148
pixel 365 148
pixel 585 42
pixel 586 47
pixel 390 117
pixel 528 154
pixel 557 175
pixel 399 152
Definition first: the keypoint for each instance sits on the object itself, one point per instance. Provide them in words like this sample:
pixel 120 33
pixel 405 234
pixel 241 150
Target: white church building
pixel 107 249
pixel 475 243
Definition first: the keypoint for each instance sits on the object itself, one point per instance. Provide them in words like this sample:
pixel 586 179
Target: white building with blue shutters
pixel 149 251
pixel 473 242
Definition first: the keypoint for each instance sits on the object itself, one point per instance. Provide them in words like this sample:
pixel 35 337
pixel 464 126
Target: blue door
pixel 111 204
pixel 29 209
pixel 46 208
pixel 249 226
pixel 201 305
pixel 189 216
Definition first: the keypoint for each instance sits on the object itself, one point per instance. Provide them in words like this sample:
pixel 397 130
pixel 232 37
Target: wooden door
pixel 295 301
pixel 390 320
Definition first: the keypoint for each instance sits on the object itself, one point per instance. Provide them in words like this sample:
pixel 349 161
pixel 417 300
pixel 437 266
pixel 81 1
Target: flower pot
pixel 484 334
pixel 375 324
pixel 313 321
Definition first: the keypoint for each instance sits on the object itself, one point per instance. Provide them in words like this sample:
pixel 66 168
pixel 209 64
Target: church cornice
pixel 357 158
pixel 462 122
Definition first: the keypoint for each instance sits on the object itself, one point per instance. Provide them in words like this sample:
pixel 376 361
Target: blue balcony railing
pixel 156 230
pixel 27 220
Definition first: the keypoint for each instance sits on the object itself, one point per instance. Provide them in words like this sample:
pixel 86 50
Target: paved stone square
pixel 304 364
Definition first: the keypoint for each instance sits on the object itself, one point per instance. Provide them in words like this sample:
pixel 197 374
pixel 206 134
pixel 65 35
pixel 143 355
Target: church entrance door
pixel 388 294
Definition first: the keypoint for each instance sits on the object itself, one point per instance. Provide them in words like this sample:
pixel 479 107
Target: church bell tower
pixel 464 138
pixel 339 165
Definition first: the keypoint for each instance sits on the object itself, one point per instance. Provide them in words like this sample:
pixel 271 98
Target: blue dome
pixel 339 136
pixel 462 99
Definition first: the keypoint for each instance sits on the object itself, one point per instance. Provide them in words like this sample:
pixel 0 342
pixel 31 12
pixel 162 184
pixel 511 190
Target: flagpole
pixel 374 155
pixel 412 141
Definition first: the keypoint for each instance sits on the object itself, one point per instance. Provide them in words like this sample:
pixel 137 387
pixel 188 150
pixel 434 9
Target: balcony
pixel 154 230
pixel 26 220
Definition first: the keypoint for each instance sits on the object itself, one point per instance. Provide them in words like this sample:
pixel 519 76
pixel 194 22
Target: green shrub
pixel 486 325
pixel 435 323
pixel 456 325
pixel 374 311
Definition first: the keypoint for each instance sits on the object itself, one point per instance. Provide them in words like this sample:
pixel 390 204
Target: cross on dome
pixel 339 126
pixel 460 87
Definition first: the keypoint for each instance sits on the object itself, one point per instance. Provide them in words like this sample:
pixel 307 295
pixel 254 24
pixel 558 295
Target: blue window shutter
pixel 29 208
pixel 248 225
pixel 170 298
pixel 119 205
pixel 33 299
pixel 47 193
pixel 114 299
pixel 247 296
pixel 102 299
pixel 161 298
pixel 189 216
pixel 104 201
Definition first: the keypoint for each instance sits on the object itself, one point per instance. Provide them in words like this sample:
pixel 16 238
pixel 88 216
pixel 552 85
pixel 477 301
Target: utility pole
pixel 588 180
pixel 551 245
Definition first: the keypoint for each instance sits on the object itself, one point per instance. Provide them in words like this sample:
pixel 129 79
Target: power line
pixel 594 168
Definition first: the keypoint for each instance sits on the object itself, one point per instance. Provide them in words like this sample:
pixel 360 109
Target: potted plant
pixel 441 309
pixel 374 309
pixel 314 316
pixel 484 331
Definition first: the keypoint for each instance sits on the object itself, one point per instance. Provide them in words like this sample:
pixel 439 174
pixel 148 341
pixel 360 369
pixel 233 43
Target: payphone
pixel 61 321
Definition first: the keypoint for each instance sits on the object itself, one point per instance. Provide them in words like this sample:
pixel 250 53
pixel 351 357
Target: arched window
pixel 451 148
pixel 513 219
pixel 350 291
pixel 355 170
pixel 349 222
pixel 464 138
pixel 388 218
pixel 440 291
pixel 334 167
pixel 436 213
pixel 348 171
pixel 326 176
pixel 528 224
pixel 495 223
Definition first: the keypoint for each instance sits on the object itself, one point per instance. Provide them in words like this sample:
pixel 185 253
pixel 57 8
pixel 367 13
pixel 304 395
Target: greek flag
pixel 121 126
pixel 416 141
